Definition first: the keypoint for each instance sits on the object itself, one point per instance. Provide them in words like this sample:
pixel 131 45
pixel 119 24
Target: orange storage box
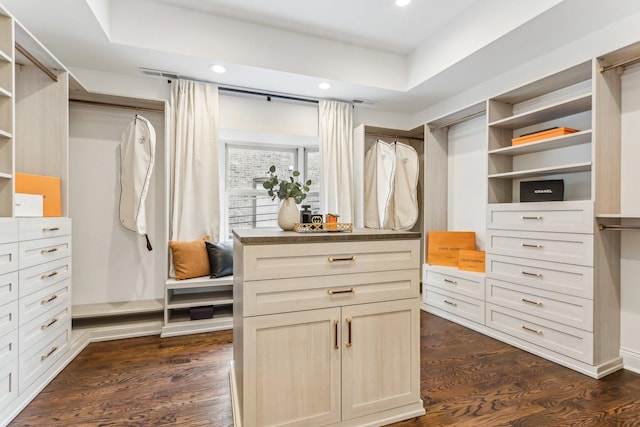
pixel 48 186
pixel 539 136
pixel 471 260
pixel 443 246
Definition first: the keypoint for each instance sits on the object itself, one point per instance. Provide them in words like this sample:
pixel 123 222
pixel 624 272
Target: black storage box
pixel 551 190
pixel 199 313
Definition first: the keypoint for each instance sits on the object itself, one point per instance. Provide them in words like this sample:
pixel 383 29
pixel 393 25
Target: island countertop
pixel 263 236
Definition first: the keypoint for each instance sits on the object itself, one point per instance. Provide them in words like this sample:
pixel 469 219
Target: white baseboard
pixel 631 360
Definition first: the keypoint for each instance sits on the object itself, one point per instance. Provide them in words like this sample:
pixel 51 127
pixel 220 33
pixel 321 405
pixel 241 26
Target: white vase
pixel 288 214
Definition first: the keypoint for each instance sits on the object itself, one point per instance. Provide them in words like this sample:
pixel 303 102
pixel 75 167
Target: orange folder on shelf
pixel 443 246
pixel 539 136
pixel 471 260
pixel 48 186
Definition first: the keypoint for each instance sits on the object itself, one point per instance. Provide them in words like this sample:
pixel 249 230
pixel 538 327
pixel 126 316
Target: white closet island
pixel 326 328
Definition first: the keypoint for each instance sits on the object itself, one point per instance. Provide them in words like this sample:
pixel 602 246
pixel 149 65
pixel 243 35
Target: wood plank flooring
pixel 468 379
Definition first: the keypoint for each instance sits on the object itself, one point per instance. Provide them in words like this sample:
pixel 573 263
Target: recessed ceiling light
pixel 402 3
pixel 217 68
pixel 324 85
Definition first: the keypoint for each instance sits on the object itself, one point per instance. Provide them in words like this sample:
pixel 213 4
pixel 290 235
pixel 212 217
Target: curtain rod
pixel 110 104
pixel 37 63
pixel 623 63
pixel 458 120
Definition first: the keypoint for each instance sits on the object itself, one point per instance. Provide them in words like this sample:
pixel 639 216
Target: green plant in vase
pixel 291 191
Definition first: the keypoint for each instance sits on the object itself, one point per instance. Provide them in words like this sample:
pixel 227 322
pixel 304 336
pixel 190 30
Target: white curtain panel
pixel 194 178
pixel 336 159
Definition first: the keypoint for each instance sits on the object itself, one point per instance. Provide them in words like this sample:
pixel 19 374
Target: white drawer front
pixel 466 284
pixel 8 230
pixel 8 258
pixel 40 276
pixel 40 302
pixel 285 295
pixel 566 217
pixel 43 228
pixel 460 305
pixel 8 287
pixel 37 360
pixel 8 384
pixel 321 259
pixel 571 342
pixel 565 309
pixel 42 327
pixel 8 317
pixel 9 347
pixel 568 279
pixel 556 247
pixel 34 252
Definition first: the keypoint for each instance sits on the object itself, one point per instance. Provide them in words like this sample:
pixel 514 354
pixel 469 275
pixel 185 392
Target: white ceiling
pixel 397 59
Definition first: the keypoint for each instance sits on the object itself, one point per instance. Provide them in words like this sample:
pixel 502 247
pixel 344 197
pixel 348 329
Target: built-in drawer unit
pixel 40 276
pixel 556 247
pixel 334 258
pixel 8 317
pixel 8 287
pixel 44 228
pixel 454 280
pixel 9 347
pixel 565 309
pixel 285 295
pixel 576 280
pixel 566 217
pixel 460 305
pixel 34 252
pixel 562 339
pixel 40 328
pixel 8 230
pixel 8 383
pixel 36 304
pixel 35 361
pixel 8 257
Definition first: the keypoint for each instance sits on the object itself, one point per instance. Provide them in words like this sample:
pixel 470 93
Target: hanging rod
pixel 394 136
pixel 37 63
pixel 623 63
pixel 458 120
pixel 110 104
pixel 619 227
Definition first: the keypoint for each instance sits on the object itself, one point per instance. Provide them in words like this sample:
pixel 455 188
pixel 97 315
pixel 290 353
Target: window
pixel 247 167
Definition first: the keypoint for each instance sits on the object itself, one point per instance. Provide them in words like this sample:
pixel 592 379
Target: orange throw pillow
pixel 190 259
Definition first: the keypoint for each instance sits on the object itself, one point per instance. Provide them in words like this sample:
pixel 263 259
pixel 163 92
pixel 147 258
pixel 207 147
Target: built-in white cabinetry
pixel 9 318
pixel 326 330
pixel 6 115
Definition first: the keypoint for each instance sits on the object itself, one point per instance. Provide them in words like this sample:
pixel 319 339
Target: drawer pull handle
pixel 351 258
pixel 531 330
pixel 48 251
pixel 529 245
pixel 335 331
pixel 526 273
pixel 46 325
pixel 450 303
pixel 348 320
pixel 346 291
pixel 532 217
pixel 51 298
pixel 453 282
pixel 528 301
pixel 46 276
pixel 53 349
pixel 50 229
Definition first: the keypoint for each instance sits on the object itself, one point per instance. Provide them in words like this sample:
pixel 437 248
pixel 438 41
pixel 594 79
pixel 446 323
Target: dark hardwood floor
pixel 468 379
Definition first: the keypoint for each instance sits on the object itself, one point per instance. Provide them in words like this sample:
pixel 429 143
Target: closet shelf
pixel 199 299
pixel 571 168
pixel 574 105
pixel 572 139
pixel 4 57
pixel 5 92
pixel 6 175
pixel 199 282
pixel 5 134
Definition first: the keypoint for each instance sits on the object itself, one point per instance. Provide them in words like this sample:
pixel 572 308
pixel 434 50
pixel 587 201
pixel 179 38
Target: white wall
pixel 110 263
pixel 630 204
pixel 467 188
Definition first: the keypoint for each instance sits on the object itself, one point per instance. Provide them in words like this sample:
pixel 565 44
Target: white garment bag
pixel 379 172
pixel 391 186
pixel 137 152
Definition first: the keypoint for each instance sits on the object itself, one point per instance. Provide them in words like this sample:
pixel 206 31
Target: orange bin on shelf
pixel 48 186
pixel 545 134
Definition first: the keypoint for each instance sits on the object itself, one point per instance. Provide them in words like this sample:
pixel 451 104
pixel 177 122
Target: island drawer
pixel 296 294
pixel 263 262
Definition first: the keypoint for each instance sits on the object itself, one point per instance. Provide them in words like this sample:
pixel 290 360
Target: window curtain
pixel 194 179
pixel 336 158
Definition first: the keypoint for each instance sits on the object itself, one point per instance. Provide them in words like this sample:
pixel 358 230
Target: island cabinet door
pixel 293 363
pixel 381 357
